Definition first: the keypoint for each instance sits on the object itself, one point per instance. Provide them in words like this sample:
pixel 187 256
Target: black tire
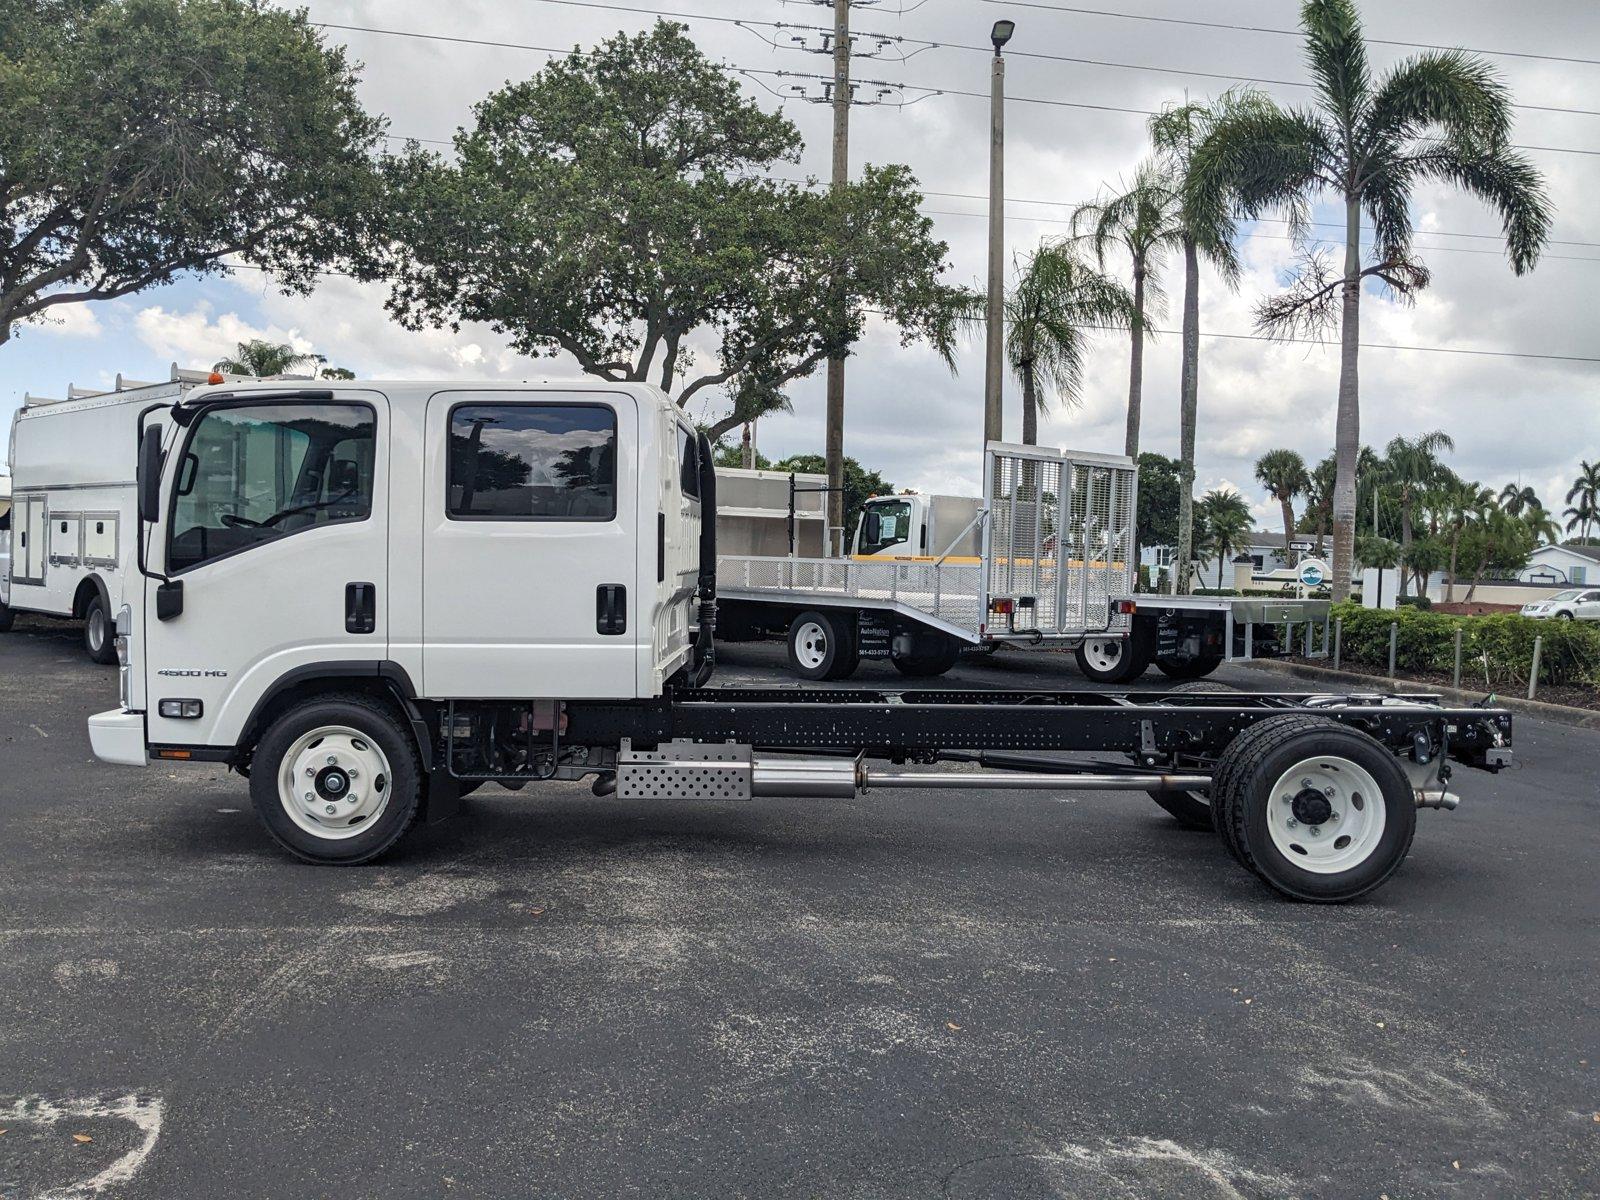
pixel 1242 791
pixel 1192 810
pixel 1564 616
pixel 375 721
pixel 99 633
pixel 822 646
pixel 1190 668
pixel 8 618
pixel 936 653
pixel 1128 665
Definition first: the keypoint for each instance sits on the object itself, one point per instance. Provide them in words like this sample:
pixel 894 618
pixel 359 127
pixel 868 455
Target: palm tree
pixel 1460 503
pixel 1542 524
pixel 1410 467
pixel 1225 518
pixel 1319 499
pixel 1440 116
pixel 1145 220
pixel 1056 302
pixel 262 358
pixel 1283 474
pixel 1518 498
pixel 1582 515
pixel 1585 490
pixel 1208 229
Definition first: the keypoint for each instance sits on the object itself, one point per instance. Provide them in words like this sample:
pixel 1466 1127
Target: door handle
pixel 611 609
pixel 360 608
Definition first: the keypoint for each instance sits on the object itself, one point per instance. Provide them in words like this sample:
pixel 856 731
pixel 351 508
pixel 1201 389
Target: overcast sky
pixel 907 416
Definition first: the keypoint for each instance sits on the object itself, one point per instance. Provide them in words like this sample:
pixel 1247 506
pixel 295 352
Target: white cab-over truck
pixel 1045 559
pixel 372 598
pixel 70 548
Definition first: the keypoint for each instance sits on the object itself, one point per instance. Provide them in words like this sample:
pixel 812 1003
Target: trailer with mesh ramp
pixel 1047 560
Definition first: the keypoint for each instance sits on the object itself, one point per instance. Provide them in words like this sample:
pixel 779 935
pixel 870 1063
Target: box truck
pixel 70 547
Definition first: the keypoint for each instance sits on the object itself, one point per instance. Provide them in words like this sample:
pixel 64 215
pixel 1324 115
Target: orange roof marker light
pixel 214 378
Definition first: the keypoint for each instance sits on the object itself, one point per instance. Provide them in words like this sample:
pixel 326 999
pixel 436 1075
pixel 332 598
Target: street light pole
pixel 994 345
pixel 834 426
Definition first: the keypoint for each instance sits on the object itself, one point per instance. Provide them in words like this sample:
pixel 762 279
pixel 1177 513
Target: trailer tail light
pixel 180 710
pixel 1003 607
pixel 1125 608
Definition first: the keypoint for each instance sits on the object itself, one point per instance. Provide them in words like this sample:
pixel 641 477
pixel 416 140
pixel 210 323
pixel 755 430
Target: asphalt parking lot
pixel 966 994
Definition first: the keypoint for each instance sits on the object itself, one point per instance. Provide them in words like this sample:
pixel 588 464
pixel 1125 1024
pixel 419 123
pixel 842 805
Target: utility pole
pixel 995 341
pixel 834 444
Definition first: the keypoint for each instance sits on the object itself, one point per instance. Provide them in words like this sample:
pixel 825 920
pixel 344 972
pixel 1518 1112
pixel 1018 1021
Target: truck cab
pixel 918 526
pixel 449 541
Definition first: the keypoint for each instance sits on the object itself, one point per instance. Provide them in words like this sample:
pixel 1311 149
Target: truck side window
pixel 259 472
pixel 532 462
pixel 893 526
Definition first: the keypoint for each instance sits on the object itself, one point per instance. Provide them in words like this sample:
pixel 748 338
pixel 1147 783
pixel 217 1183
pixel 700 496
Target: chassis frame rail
pixel 922 724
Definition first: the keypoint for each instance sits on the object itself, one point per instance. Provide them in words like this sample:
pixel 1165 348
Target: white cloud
pixel 197 339
pixel 69 320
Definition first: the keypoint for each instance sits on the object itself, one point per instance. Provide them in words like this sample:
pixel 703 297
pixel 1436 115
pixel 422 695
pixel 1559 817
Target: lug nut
pixel 309 797
pixel 331 810
pixel 1333 816
pixel 332 758
pixel 311 770
pixel 1303 782
pixel 353 773
pixel 1292 823
pixel 1328 792
pixel 1316 830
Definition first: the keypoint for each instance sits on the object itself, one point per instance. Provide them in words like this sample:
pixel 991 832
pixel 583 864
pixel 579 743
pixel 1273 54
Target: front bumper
pixel 118 737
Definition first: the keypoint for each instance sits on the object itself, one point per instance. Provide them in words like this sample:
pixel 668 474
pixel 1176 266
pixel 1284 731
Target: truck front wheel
pixel 99 637
pixel 337 780
pixel 822 646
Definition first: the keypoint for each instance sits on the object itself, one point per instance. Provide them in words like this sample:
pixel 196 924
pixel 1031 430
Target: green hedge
pixel 1426 642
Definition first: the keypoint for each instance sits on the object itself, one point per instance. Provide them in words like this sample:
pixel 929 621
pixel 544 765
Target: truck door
pixel 531 584
pixel 275 524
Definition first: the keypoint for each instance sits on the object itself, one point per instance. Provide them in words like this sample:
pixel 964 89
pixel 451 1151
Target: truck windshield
pixel 892 526
pixel 259 472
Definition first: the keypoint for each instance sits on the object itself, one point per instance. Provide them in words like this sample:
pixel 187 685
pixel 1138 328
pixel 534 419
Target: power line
pixel 1243 337
pixel 1011 53
pixel 1294 33
pixel 930 91
pixel 1284 237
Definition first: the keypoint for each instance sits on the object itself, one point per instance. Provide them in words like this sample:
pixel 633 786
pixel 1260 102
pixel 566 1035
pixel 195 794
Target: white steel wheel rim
pixel 1348 821
pixel 334 782
pixel 97 628
pixel 811 645
pixel 1103 654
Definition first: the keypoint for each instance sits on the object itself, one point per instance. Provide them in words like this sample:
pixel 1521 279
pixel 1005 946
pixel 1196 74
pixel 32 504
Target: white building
pixel 1569 563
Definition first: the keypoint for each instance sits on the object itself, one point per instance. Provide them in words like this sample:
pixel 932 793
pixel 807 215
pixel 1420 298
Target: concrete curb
pixel 1561 714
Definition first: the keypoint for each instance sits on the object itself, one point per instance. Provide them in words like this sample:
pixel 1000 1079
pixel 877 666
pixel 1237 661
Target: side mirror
pixel 149 474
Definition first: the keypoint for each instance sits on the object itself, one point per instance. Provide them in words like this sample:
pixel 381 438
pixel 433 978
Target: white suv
pixel 1582 604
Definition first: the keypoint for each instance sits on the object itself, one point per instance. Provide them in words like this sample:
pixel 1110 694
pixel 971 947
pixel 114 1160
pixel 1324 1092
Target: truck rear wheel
pixel 822 646
pixel 337 780
pixel 1188 668
pixel 1319 811
pixel 935 654
pixel 1112 659
pixel 99 637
